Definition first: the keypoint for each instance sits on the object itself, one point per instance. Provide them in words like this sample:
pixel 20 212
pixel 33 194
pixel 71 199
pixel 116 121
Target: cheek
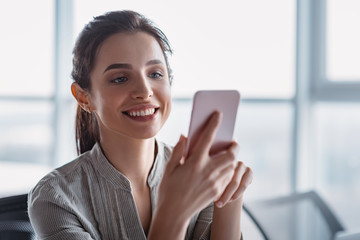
pixel 105 102
pixel 163 94
pixel 167 96
pixel 169 108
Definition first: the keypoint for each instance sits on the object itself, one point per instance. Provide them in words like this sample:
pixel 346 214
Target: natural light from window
pixel 26 48
pixel 221 46
pixel 343 43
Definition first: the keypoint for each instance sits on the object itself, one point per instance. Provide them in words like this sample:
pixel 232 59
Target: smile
pixel 142 113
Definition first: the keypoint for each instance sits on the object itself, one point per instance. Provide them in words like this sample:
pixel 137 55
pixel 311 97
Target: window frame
pixel 323 89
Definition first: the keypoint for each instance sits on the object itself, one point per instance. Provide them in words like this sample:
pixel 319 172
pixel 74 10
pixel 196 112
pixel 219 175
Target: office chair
pixel 347 235
pixel 299 216
pixel 14 221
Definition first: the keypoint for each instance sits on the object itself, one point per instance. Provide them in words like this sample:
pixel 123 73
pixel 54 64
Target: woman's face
pixel 130 88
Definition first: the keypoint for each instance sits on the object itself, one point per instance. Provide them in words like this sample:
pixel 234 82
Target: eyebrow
pixel 118 65
pixel 128 66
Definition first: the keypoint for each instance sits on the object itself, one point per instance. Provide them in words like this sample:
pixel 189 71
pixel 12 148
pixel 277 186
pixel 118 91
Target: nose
pixel 142 88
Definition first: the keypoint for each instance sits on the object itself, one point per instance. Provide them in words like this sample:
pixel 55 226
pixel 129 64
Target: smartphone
pixel 205 102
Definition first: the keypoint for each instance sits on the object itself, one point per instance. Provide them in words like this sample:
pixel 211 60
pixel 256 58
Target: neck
pixel 132 157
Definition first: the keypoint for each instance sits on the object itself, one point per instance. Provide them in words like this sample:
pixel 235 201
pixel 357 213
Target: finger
pixel 208 134
pixel 220 169
pixel 245 182
pixel 232 187
pixel 221 176
pixel 232 150
pixel 177 154
pixel 235 148
pixel 216 183
pixel 224 158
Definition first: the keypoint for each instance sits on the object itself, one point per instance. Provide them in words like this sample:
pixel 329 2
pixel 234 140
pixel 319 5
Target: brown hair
pixel 84 53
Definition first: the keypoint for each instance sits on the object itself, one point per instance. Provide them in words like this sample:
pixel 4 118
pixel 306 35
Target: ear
pixel 81 96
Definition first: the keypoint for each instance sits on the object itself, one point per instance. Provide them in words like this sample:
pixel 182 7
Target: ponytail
pixel 86 130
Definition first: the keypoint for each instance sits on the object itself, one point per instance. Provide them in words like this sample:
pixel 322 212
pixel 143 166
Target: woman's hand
pixel 235 189
pixel 191 184
pixel 227 219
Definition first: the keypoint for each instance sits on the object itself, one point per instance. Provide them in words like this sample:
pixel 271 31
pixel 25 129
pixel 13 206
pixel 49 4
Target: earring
pixel 86 109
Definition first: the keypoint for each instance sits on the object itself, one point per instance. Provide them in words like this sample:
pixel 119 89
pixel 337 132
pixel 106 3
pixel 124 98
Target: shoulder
pixel 60 180
pixel 58 205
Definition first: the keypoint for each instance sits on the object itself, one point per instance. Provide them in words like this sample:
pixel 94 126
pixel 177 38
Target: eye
pixel 119 80
pixel 156 75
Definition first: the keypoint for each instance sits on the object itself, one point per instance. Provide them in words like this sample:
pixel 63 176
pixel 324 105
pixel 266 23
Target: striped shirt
pixel 89 199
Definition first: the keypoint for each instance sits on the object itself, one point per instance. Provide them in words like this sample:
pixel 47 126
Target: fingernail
pixel 220 114
pixel 220 204
pixel 216 114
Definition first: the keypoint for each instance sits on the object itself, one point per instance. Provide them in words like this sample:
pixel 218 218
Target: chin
pixel 145 134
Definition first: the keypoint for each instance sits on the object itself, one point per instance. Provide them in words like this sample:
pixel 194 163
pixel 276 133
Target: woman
pixel 126 184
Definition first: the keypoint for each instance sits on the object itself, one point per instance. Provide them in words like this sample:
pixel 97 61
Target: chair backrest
pixel 297 217
pixel 14 221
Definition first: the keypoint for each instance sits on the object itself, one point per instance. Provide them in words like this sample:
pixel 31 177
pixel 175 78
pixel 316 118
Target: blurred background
pixel 296 64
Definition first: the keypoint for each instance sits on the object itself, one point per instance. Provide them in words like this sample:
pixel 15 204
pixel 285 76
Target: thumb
pixel 177 153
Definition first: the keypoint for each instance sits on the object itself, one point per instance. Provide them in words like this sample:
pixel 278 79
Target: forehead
pixel 133 48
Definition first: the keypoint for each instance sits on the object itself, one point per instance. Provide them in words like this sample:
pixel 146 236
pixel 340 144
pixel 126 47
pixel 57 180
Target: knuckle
pixel 236 182
pixel 242 167
pixel 231 155
pixel 234 165
pixel 241 164
pixel 212 179
pixel 214 190
pixel 249 172
pixel 217 191
pixel 196 167
pixel 214 186
pixel 231 167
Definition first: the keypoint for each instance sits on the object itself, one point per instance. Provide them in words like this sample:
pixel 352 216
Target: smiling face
pixel 130 88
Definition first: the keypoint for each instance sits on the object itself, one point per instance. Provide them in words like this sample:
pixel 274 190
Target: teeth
pixel 142 113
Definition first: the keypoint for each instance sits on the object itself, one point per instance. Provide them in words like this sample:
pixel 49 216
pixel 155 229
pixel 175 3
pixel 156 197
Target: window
pixel 294 62
pixel 333 108
pixel 337 157
pixel 343 49
pixel 26 37
pixel 26 90
pixel 335 52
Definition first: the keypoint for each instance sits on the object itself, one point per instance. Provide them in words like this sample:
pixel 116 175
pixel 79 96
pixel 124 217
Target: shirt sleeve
pixel 52 218
pixel 202 229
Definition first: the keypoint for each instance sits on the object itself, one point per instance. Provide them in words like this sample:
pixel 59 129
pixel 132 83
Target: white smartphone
pixel 205 102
